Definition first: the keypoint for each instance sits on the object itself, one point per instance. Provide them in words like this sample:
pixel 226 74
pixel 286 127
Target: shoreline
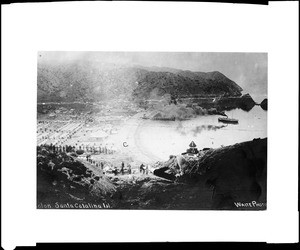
pixel 129 141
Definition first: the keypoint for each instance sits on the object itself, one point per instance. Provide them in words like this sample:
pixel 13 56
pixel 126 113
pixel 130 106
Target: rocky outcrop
pixel 244 102
pixel 224 103
pixel 264 104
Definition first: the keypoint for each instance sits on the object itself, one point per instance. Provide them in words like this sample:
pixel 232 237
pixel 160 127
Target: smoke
pixel 198 129
pixel 169 111
pixel 164 107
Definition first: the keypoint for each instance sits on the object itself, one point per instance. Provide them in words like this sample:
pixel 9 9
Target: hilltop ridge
pixel 89 81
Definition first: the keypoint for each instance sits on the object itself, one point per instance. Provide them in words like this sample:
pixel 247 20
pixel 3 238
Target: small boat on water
pixel 164 118
pixel 228 120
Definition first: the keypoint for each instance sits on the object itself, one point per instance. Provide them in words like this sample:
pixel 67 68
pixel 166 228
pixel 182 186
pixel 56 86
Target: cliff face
pixel 86 81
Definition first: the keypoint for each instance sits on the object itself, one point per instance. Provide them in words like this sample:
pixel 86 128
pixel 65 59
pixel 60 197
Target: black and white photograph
pixel 149 122
pixel 152 130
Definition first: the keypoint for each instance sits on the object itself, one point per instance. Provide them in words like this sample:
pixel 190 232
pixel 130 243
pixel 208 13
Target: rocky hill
pixel 224 177
pixel 231 177
pixel 87 81
pixel 227 178
pixel 264 104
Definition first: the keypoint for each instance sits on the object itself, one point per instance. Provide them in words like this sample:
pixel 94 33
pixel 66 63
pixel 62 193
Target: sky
pixel 248 70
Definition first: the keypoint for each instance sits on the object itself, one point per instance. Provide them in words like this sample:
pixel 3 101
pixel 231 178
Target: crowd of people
pixel 144 169
pixel 122 170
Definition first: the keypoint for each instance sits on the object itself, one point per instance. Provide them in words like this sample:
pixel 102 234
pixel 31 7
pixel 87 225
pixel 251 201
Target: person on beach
pixel 129 168
pixel 122 168
pixel 146 169
pixel 142 169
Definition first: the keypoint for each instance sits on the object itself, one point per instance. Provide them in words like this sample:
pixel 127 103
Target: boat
pixel 228 120
pixel 164 118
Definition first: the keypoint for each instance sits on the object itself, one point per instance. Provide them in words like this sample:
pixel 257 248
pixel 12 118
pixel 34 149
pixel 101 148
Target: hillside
pixel 228 178
pixel 220 178
pixel 89 81
pixel 62 179
pixel 224 176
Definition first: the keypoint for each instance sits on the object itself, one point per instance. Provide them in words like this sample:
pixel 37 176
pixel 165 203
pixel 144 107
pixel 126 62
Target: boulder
pixel 246 102
pixel 264 104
